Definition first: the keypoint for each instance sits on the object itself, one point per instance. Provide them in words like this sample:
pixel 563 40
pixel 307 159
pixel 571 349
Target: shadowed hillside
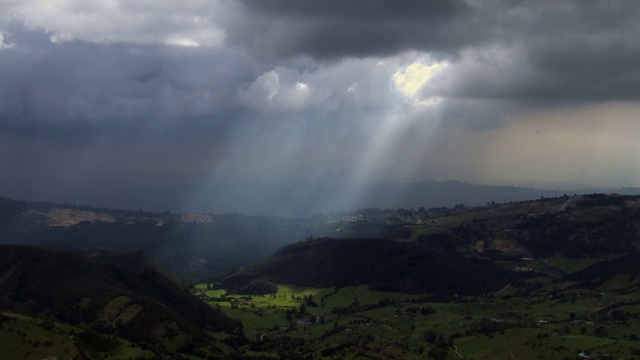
pixel 621 273
pixel 143 306
pixel 382 264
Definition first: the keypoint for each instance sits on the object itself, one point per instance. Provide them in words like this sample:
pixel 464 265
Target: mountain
pixel 295 199
pixel 127 299
pixel 207 247
pixel 300 199
pixel 385 265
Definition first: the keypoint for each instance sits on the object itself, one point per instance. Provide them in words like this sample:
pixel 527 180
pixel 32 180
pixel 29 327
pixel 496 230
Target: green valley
pixel 551 278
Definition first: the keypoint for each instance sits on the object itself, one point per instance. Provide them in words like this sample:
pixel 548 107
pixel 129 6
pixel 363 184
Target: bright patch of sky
pixel 414 77
pixel 182 41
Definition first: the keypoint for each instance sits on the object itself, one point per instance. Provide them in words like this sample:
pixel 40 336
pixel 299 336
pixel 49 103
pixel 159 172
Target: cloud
pixel 277 89
pixel 547 52
pixel 335 29
pixel 568 51
pixel 192 23
pixel 5 42
pixel 78 84
pixel 321 92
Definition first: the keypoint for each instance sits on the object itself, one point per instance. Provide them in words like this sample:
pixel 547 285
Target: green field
pixel 23 337
pixel 571 265
pixel 354 322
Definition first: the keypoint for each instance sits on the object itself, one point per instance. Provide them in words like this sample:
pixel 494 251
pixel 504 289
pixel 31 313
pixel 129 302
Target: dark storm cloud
pixel 335 29
pixel 45 84
pixel 186 98
pixel 562 51
pixel 362 9
pixel 553 52
pixel 524 51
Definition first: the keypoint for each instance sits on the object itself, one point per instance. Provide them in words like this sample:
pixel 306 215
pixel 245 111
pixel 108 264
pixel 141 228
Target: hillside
pixel 620 273
pixel 382 264
pixel 206 247
pixel 141 306
pixel 383 283
pixel 194 246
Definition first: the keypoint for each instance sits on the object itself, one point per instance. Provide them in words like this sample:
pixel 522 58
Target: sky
pixel 224 105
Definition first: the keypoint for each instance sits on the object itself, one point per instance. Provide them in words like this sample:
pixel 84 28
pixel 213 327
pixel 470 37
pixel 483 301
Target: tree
pixel 429 336
pixel 601 332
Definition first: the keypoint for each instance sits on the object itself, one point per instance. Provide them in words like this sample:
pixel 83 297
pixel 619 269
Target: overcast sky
pixel 147 103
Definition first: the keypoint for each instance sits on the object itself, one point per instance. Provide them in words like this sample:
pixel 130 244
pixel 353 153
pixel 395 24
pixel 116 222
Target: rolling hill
pixel 129 300
pixel 382 264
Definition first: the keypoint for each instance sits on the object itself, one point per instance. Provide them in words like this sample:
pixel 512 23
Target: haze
pixel 296 105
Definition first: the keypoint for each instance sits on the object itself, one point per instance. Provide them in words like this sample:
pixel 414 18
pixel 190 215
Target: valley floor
pixel 557 320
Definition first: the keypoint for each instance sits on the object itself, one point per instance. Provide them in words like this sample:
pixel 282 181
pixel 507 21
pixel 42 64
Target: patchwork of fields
pixel 556 321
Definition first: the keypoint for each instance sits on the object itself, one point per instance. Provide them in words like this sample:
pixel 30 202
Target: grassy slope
pixel 24 337
pixel 144 307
